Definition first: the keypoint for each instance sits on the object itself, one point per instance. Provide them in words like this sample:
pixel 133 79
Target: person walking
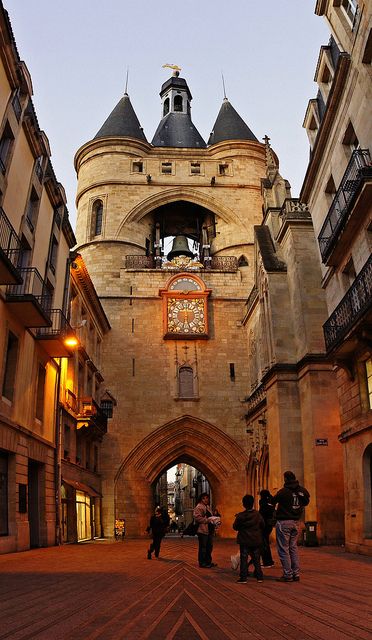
pixel 206 524
pixel 290 501
pixel 157 528
pixel 250 526
pixel 267 509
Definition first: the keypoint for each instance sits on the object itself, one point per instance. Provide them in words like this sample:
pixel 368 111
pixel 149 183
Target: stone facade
pixel 338 187
pixel 278 351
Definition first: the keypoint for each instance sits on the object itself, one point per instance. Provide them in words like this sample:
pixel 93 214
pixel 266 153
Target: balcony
pixel 30 301
pixel 53 337
pixel 10 249
pixel 344 326
pixel 344 215
pixel 91 417
pixel 215 263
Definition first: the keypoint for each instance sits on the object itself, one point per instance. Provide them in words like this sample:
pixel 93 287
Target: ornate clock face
pixel 186 316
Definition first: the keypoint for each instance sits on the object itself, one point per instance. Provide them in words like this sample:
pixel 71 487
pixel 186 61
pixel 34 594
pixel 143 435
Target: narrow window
pixel 195 168
pixel 95 459
pixel 10 366
pixel 3 493
pixel 32 210
pixel 39 168
pixel 367 55
pixel 16 104
pixel 178 103
pixel 133 367
pixel 107 408
pixel 6 143
pixel 369 380
pixel 330 187
pixel 166 107
pixel 186 382
pixel 97 216
pixel 243 262
pixel 350 7
pixel 53 255
pixel 132 325
pixel 232 372
pixel 87 455
pixel 130 293
pixel 166 167
pixel 40 392
pixel 66 441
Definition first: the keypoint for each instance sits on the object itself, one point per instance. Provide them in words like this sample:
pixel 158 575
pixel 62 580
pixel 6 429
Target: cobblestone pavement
pixel 105 590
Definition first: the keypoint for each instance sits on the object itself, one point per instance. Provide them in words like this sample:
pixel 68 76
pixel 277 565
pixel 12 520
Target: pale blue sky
pixel 78 51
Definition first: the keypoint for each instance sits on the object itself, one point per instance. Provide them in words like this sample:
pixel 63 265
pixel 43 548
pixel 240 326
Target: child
pixel 250 526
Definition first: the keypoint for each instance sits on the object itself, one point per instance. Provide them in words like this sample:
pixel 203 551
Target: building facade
pixel 188 358
pixel 35 241
pixel 338 188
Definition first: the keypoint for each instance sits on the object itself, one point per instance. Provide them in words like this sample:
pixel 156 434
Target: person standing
pixel 290 500
pixel 157 528
pixel 267 509
pixel 206 523
pixel 250 526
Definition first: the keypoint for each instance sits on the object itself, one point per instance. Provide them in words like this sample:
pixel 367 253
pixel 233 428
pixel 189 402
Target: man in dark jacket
pixel 157 529
pixel 290 501
pixel 250 525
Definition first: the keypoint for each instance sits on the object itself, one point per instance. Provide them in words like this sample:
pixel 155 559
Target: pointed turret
pixel 230 126
pixel 176 128
pixel 122 122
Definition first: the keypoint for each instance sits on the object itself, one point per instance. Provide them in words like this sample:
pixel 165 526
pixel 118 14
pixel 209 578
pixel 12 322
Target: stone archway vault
pixel 197 442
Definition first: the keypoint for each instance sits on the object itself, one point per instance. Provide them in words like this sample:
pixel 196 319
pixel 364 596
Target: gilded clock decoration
pixel 186 315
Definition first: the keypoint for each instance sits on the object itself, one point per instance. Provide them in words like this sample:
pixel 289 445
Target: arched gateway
pixel 190 440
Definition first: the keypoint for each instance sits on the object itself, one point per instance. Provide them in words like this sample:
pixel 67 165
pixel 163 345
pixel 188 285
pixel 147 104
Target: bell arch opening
pixel 187 440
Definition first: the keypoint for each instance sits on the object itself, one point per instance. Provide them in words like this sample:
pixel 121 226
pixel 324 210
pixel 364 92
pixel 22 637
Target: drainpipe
pixel 57 456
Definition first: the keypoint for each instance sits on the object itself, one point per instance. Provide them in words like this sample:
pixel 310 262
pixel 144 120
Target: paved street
pixel 105 590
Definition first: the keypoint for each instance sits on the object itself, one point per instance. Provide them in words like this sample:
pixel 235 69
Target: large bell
pixel 180 247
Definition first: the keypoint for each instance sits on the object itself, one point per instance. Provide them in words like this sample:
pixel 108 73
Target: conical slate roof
pixel 230 126
pixel 122 122
pixel 177 130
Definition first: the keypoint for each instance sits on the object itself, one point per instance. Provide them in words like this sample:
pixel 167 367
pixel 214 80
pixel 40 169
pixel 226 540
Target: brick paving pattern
pixel 106 590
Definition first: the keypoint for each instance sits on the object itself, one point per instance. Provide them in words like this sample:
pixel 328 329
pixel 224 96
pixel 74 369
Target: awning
pixel 80 486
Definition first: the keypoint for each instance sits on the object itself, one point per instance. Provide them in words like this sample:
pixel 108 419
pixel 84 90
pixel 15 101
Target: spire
pixel 176 128
pixel 122 122
pixel 230 126
pixel 271 162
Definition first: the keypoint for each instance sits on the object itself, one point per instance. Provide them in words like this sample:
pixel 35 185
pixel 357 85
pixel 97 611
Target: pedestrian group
pixel 283 510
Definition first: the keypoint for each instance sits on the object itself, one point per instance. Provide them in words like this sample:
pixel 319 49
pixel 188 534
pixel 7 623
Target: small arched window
pixel 97 217
pixel 186 382
pixel 178 103
pixel 166 107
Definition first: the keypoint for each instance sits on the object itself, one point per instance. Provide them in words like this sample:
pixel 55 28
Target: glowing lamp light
pixel 71 341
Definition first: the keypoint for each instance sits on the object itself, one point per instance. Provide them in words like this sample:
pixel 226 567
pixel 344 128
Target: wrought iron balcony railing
pixel 356 302
pixel 33 285
pixel 60 325
pixel 10 243
pixel 90 415
pixel 358 169
pixel 217 263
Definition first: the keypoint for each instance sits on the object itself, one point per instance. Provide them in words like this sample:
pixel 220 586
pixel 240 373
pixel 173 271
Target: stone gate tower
pixel 176 359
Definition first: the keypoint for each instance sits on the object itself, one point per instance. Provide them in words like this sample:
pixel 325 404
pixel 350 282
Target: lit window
pixel 369 380
pixel 39 413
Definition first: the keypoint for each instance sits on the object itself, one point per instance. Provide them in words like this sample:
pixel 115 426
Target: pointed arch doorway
pixel 193 441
